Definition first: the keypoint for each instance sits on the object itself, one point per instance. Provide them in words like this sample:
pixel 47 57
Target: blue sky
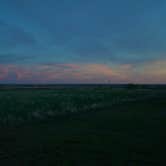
pixel 124 37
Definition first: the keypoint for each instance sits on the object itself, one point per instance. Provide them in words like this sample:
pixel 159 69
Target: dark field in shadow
pixel 83 126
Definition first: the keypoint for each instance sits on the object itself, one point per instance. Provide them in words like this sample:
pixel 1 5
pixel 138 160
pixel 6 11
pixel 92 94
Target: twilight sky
pixel 82 41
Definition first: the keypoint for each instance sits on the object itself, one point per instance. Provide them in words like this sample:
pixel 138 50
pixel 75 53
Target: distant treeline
pixel 57 86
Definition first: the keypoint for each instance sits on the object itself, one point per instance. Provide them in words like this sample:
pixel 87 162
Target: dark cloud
pixel 12 36
pixel 129 31
pixel 14 58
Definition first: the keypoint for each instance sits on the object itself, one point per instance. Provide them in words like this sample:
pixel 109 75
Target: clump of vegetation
pixel 19 106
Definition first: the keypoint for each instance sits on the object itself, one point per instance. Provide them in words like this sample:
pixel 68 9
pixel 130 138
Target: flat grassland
pixel 83 126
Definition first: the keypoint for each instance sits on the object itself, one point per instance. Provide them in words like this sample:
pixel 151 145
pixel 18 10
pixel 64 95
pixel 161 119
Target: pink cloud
pixel 153 72
pixel 3 72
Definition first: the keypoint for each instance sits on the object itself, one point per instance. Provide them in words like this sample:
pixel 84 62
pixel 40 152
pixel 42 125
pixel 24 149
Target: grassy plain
pixel 82 126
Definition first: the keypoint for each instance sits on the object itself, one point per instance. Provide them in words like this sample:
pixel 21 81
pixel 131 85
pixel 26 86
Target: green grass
pixel 86 126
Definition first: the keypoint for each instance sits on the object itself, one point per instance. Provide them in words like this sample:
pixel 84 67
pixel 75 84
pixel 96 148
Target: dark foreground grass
pixel 96 127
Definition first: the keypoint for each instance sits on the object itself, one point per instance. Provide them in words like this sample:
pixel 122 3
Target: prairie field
pixel 83 126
